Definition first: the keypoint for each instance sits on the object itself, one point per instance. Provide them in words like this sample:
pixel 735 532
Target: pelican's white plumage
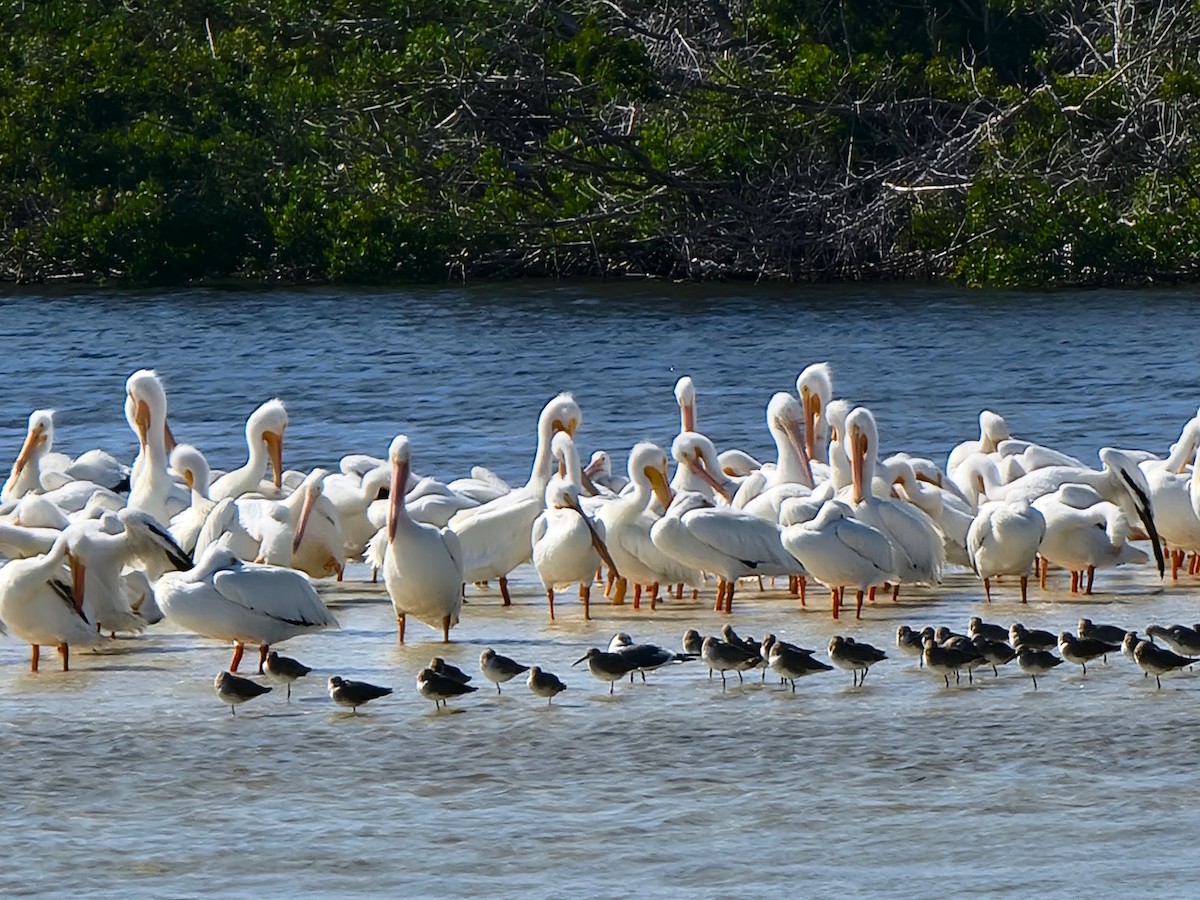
pixel 152 489
pixel 495 536
pixel 840 551
pixel 243 603
pixel 422 565
pixel 25 476
pixel 1003 540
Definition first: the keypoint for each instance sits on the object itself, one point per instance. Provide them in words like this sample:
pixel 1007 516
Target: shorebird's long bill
pixel 581 659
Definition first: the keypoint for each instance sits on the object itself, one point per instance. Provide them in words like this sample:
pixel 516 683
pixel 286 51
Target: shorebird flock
pixel 96 548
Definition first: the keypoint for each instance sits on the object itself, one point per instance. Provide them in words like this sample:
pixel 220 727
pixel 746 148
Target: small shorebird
pixel 721 656
pixel 544 684
pixel 446 670
pixel 845 653
pixel 439 688
pixel 284 669
pixel 789 663
pixel 693 642
pixel 911 643
pixel 1180 638
pixel 354 694
pixel 997 653
pixel 1110 634
pixel 647 657
pixel 992 632
pixel 1035 662
pixel 1158 661
pixel 233 689
pixel 1032 639
pixel 610 667
pixel 1081 651
pixel 942 659
pixel 499 669
pixel 1129 644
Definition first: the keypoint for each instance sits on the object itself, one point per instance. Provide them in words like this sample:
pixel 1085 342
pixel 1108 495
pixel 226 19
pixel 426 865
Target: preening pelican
pixel 26 471
pixel 1003 540
pixel 37 605
pixel 992 430
pixel 264 443
pixel 726 542
pixel 698 470
pixel 792 476
pixel 815 387
pixel 495 536
pixel 840 551
pixel 192 467
pixel 152 489
pixel 317 544
pixel 1084 533
pixel 228 600
pixel 568 546
pixel 422 565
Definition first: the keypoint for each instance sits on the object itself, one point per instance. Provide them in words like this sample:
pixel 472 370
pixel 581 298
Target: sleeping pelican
pixel 37 605
pixel 568 546
pixel 1084 533
pixel 264 443
pixel 26 471
pixel 495 536
pixel 841 552
pixel 422 565
pixel 228 600
pixel 992 430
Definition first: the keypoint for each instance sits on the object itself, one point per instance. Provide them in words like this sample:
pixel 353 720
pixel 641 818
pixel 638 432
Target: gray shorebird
pixel 1158 661
pixel 1180 638
pixel 911 643
pixel 610 667
pixel 789 664
pixel 544 684
pixel 439 688
pixel 284 669
pixel 1081 651
pixel 721 656
pixel 1031 638
pixel 845 653
pixel 499 669
pixel 233 689
pixel 647 657
pixel 1035 662
pixel 354 694
pixel 942 660
pixel 692 642
pixel 976 626
pixel 1110 634
pixel 446 670
pixel 997 653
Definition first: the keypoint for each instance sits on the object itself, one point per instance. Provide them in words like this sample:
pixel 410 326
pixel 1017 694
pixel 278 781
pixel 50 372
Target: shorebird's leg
pixel 238 650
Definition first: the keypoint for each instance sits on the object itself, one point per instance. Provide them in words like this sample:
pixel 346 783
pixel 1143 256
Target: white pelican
pixel 37 605
pixel 992 430
pixel 1120 481
pixel 627 524
pixel 568 547
pixel 99 554
pixel 228 600
pixel 1003 540
pixel 495 536
pixel 264 443
pixel 840 551
pixel 97 466
pixel 152 489
pixel 26 471
pixel 792 476
pixel 919 547
pixel 698 469
pixel 599 469
pixel 736 463
pixel 423 565
pixel 726 542
pixel 353 495
pixel 948 511
pixel 192 467
pixel 318 547
pixel 1084 533
pixel 815 387
pixel 1175 495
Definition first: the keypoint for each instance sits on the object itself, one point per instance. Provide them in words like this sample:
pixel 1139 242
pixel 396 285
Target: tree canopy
pixel 991 142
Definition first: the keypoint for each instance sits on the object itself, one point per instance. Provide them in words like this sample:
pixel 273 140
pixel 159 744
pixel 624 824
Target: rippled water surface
pixel 126 776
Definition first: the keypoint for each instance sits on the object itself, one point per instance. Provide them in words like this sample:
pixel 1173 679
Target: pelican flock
pixel 94 548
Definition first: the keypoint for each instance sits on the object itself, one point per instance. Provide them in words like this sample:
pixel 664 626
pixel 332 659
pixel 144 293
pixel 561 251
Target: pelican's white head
pixel 835 413
pixel 685 396
pixel 992 430
pixel 599 464
pixel 39 438
pixel 860 441
pixel 648 470
pixel 266 425
pixel 815 387
pixel 696 453
pixel 145 403
pixel 560 414
pixel 785 419
pixel 192 467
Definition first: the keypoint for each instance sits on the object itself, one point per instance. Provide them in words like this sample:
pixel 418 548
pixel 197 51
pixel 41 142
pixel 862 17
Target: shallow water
pixel 127 776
